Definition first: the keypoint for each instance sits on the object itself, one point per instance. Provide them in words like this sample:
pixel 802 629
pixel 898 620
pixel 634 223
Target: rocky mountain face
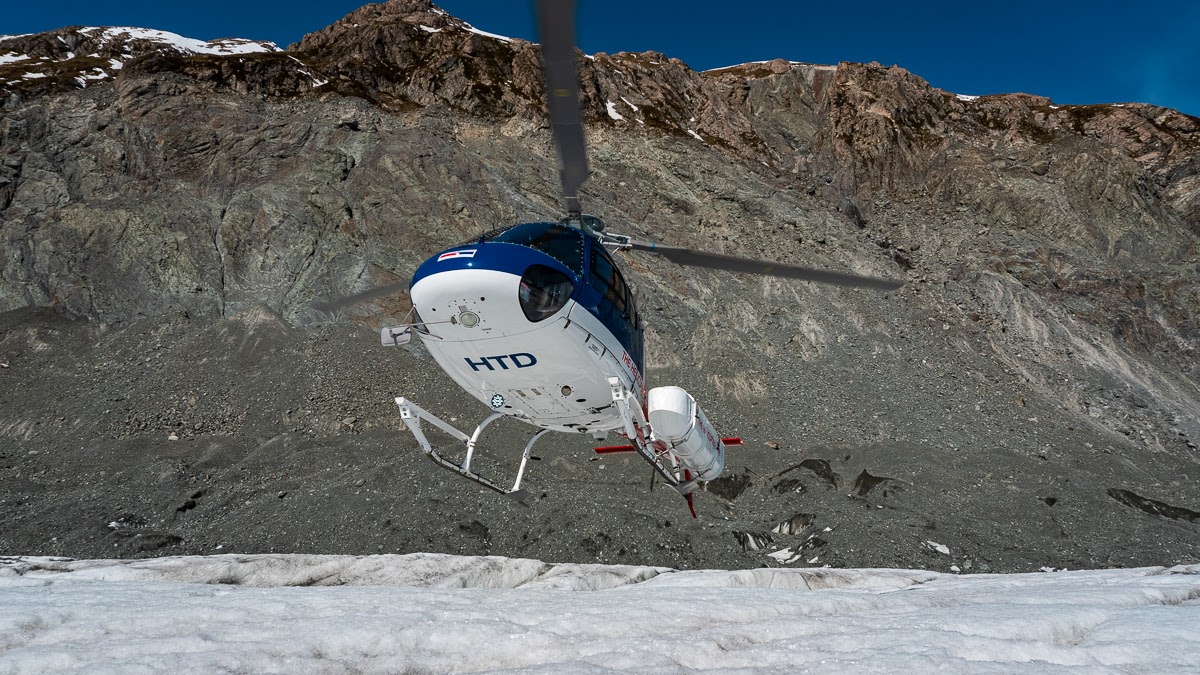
pixel 1030 398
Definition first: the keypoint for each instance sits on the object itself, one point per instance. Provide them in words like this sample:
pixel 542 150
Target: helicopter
pixel 537 322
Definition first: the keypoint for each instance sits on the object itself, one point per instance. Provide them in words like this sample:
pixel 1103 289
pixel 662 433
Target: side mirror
pixel 394 336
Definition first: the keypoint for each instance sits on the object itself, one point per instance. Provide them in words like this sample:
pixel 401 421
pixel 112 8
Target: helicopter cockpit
pixel 600 284
pixel 564 244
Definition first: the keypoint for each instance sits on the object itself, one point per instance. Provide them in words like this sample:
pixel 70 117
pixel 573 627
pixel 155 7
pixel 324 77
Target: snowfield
pixel 183 44
pixel 442 613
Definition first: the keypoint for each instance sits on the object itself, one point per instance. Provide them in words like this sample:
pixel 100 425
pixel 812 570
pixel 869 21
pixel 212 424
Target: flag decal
pixel 451 255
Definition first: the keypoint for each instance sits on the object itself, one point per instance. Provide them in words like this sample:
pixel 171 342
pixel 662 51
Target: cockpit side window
pixel 564 244
pixel 607 278
pixel 633 312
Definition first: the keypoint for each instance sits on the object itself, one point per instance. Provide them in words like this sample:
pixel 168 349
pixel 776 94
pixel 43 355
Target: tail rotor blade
pixel 729 263
pixel 556 29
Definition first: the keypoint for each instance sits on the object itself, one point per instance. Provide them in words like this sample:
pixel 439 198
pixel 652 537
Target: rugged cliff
pixel 1030 396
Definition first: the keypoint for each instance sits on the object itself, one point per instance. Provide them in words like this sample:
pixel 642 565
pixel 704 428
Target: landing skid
pixel 656 453
pixel 412 414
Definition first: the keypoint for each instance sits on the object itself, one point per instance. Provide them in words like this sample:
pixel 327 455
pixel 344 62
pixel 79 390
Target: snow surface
pixel 965 97
pixel 441 613
pixel 484 33
pixel 470 29
pixel 92 75
pixel 751 63
pixel 185 44
pixel 317 81
pixel 612 111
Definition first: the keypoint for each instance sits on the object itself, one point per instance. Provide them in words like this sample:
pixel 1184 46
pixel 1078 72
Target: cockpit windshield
pixel 564 244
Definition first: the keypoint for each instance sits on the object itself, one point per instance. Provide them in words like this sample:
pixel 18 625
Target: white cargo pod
pixel 676 420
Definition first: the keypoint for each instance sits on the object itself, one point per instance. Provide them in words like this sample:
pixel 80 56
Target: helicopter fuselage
pixel 533 322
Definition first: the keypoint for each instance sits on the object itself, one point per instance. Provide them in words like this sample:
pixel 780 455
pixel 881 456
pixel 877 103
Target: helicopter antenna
pixel 556 29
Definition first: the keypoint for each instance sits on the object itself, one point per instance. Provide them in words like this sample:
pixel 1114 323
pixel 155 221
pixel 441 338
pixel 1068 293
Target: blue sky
pixel 1102 51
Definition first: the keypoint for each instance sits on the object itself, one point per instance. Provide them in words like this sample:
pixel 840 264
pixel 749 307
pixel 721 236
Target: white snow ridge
pixel 182 44
pixel 441 613
pixel 131 42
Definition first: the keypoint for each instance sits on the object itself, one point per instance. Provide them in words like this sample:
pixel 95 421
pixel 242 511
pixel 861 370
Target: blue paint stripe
pixel 498 256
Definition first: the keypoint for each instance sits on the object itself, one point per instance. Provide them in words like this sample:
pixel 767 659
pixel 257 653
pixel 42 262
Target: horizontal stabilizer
pixel 610 449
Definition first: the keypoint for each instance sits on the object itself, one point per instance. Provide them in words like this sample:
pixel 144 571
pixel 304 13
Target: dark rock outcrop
pixel 1048 331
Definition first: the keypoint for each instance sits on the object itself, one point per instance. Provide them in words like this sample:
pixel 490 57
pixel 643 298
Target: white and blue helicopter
pixel 537 322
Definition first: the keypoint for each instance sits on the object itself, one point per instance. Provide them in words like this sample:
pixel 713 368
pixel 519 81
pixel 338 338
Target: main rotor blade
pixel 729 263
pixel 334 304
pixel 556 30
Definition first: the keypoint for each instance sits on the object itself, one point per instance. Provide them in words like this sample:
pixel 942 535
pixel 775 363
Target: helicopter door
pixel 606 277
pixel 615 309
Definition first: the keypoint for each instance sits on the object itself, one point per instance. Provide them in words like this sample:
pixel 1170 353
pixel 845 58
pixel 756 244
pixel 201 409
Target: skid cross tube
pixel 412 414
pixel 466 465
